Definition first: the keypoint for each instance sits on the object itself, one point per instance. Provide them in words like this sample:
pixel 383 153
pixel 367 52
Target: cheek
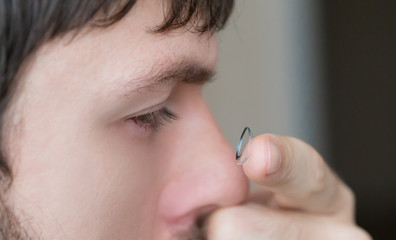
pixel 78 175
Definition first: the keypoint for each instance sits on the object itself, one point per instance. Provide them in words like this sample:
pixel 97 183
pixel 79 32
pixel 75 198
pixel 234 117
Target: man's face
pixel 87 167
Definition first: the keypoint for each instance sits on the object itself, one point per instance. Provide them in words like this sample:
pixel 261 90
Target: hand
pixel 301 198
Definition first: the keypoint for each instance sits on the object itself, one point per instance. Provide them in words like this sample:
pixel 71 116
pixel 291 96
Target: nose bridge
pixel 207 176
pixel 215 157
pixel 224 180
pixel 208 145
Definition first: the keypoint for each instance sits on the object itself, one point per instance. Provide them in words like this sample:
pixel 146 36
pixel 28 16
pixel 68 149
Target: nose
pixel 202 174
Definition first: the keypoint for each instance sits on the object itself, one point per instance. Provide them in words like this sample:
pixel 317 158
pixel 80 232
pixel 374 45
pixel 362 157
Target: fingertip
pixel 264 158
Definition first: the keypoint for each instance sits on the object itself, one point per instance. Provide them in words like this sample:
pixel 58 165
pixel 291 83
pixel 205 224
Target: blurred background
pixel 325 72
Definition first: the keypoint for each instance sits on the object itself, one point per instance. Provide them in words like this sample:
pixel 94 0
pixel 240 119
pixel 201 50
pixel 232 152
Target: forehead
pixel 129 49
pixel 96 63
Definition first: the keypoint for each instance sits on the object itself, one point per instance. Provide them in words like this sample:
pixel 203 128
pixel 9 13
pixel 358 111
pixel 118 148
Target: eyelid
pixel 153 121
pixel 154 108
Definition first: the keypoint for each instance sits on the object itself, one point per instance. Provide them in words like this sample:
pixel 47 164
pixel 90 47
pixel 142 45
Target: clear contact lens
pixel 241 150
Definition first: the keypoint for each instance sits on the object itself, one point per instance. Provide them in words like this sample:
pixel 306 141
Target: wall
pixel 269 72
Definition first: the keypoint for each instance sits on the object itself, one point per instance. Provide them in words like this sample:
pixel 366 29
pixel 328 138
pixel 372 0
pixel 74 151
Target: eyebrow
pixel 184 71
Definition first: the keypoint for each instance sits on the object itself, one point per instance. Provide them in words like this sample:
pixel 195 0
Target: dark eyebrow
pixel 185 71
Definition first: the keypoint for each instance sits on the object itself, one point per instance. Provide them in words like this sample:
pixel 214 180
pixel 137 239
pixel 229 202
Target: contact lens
pixel 241 150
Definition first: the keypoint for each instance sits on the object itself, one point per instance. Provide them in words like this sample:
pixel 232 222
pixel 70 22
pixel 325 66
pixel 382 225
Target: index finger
pixel 297 175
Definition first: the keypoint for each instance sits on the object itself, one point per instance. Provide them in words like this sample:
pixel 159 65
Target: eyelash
pixel 155 120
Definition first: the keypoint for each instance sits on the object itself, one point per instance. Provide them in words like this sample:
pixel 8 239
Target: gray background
pixel 269 72
pixel 325 72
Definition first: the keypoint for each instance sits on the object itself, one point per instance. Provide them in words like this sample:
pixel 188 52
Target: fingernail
pixel 273 159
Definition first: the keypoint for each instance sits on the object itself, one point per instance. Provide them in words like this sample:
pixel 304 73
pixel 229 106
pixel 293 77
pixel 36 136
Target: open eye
pixel 155 120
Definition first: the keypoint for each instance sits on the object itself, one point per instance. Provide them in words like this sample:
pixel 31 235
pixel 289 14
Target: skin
pixel 301 197
pixel 84 170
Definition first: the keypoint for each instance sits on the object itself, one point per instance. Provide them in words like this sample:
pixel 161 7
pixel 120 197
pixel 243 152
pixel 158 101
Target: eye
pixel 155 120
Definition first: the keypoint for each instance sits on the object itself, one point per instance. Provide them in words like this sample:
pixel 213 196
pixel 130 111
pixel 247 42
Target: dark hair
pixel 25 25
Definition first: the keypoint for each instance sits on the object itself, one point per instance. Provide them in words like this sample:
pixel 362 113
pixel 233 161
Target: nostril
pixel 203 214
pixel 195 219
pixel 202 220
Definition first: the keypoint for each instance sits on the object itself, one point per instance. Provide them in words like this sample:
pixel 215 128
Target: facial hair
pixel 10 228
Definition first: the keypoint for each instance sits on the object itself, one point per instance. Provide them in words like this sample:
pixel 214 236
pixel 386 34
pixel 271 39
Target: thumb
pixel 249 222
pixel 253 221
